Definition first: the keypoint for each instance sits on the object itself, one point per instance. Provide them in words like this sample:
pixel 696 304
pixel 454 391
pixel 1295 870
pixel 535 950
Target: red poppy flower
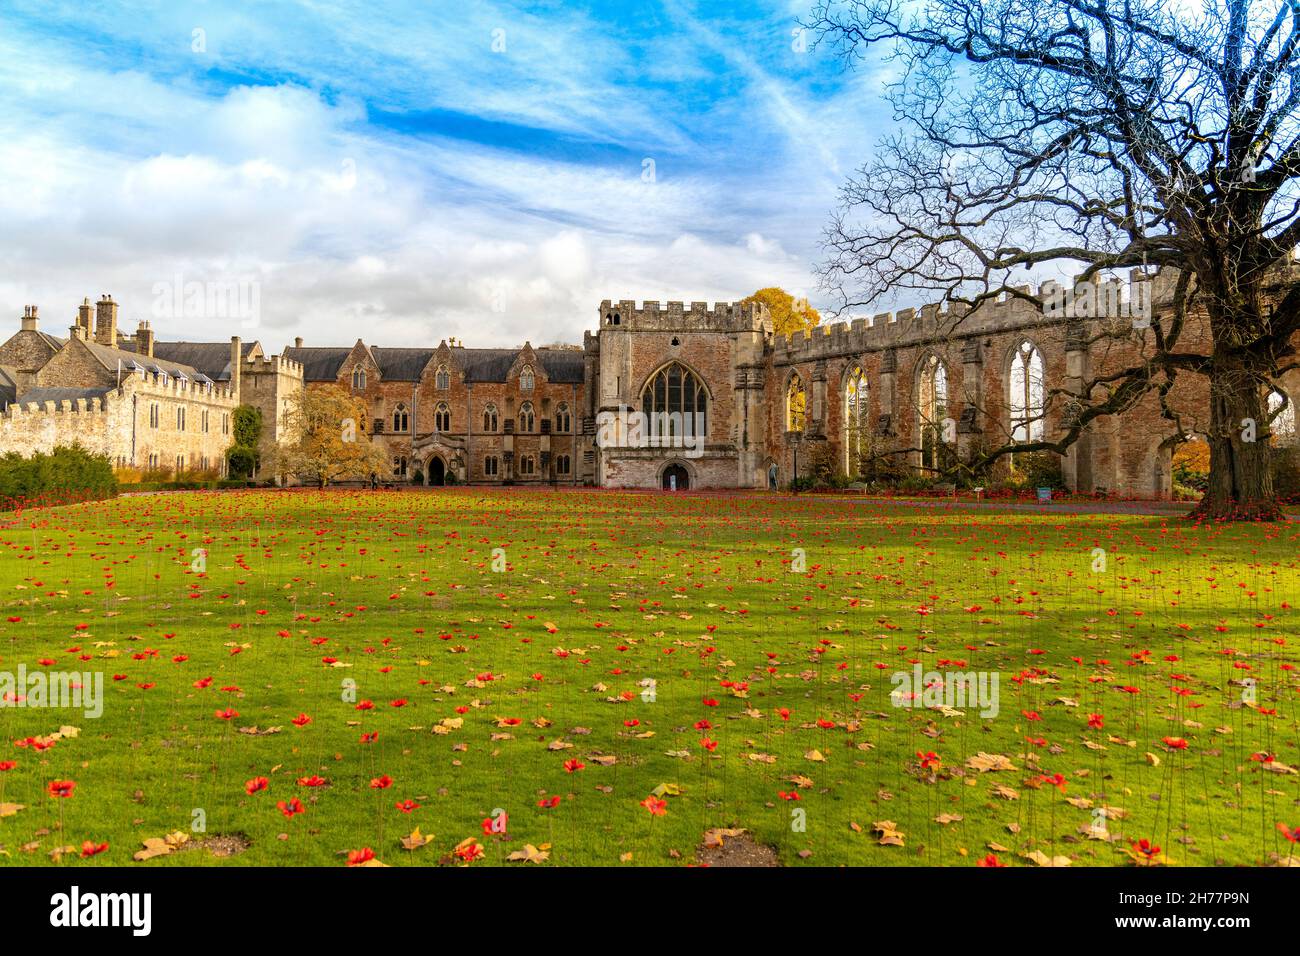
pixel 257 783
pixel 655 806
pixel 290 807
pixel 1145 848
pixel 89 848
pixel 470 852
pixel 381 783
pixel 1057 780
pixel 359 857
pixel 61 788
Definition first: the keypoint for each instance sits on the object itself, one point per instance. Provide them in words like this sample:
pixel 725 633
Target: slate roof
pixel 492 365
pixel 406 364
pixel 210 358
pixel 109 357
pixel 319 364
pixel 563 365
pixel 42 395
pixel 401 365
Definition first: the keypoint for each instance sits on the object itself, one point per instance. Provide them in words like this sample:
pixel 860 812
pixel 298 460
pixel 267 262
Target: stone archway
pixel 676 478
pixel 436 472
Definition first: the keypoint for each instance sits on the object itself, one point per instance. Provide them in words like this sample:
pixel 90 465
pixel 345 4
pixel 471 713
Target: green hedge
pixel 66 475
pixel 190 485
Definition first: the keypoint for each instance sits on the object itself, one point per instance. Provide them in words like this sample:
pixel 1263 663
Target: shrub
pixel 66 474
pixel 241 457
pixel 241 461
pixel 1286 473
pixel 1191 466
pixel 1040 469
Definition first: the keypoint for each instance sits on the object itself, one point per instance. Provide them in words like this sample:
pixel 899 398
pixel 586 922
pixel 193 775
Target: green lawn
pixel 544 662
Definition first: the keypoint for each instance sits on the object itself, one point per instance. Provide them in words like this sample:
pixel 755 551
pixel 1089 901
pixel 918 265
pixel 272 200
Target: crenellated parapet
pixel 155 385
pixel 1052 304
pixel 674 316
pixel 84 408
pixel 272 365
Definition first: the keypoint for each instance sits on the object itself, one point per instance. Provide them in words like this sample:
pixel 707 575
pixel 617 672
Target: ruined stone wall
pixel 119 425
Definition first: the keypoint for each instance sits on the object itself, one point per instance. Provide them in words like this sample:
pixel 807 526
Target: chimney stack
pixel 84 312
pixel 297 343
pixel 144 339
pixel 30 318
pixel 106 321
pixel 236 357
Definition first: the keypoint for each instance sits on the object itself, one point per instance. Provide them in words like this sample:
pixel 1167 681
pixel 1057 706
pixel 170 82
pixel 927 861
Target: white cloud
pixel 117 179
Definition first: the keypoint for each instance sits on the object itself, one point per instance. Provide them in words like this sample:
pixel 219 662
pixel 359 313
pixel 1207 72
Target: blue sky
pixel 413 171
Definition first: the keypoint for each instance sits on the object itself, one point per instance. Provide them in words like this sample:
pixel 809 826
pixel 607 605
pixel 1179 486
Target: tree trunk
pixel 1241 480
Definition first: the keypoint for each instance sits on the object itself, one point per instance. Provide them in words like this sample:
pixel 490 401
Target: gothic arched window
pixel 932 411
pixel 1281 417
pixel 675 403
pixel 526 417
pixel 442 379
pixel 1026 399
pixel 490 417
pixel 358 377
pixel 442 418
pixel 526 379
pixel 562 420
pixel 857 428
pixel 796 404
pixel 401 420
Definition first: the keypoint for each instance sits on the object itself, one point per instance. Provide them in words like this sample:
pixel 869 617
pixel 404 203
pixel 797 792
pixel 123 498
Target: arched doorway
pixel 676 478
pixel 437 471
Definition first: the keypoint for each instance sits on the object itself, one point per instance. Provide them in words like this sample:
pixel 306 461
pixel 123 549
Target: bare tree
pixel 1103 135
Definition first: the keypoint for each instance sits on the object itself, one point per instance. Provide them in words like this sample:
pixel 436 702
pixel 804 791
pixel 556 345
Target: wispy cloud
pixel 407 173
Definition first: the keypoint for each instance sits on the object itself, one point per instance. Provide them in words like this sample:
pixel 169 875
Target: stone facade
pixel 498 416
pixel 920 389
pixel 133 399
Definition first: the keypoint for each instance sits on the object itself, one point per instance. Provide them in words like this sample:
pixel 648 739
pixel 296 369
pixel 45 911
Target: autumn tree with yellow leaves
pixel 789 314
pixel 331 443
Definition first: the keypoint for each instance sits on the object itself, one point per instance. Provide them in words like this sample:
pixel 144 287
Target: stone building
pixel 148 405
pixel 668 395
pixel 468 415
pixel 919 390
